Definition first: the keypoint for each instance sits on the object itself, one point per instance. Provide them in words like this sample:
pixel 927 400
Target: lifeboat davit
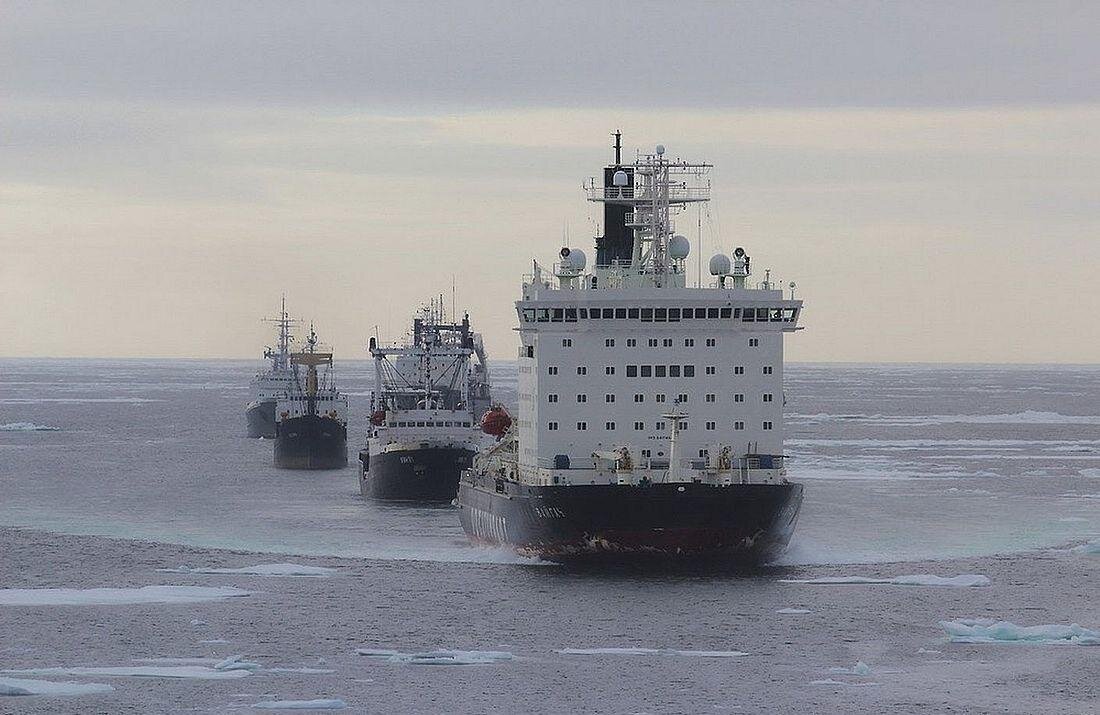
pixel 496 421
pixel 378 418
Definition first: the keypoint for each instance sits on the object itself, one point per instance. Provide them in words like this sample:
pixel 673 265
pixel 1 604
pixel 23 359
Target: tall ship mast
pixel 650 420
pixel 311 428
pixel 267 385
pixel 429 396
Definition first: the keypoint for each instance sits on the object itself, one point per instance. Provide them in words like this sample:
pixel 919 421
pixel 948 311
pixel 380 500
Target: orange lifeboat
pixel 496 421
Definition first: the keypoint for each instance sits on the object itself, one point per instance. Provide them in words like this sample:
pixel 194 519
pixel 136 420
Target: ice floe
pixel 22 686
pixel 198 672
pixel 986 630
pixel 653 651
pixel 439 657
pixel 1027 417
pixel 259 570
pixel 792 611
pixel 27 427
pixel 114 596
pixel 962 581
pixel 301 705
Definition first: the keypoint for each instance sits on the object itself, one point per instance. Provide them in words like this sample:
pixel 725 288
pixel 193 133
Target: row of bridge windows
pixel 660 426
pixel 660 315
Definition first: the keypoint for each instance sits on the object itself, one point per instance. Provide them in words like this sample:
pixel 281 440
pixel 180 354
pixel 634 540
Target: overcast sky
pixel 928 173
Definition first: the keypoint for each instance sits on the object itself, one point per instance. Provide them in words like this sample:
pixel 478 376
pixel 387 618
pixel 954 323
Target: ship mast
pixel 311 359
pixel 280 357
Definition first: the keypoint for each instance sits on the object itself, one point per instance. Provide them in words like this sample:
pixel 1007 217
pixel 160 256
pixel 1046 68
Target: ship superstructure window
pixel 551 398
pixel 709 426
pixel 581 370
pixel 609 425
pixel 582 398
pixel 552 426
pixel 767 425
pixel 767 397
pixel 667 342
pixel 639 426
pixel 631 343
pixel 659 397
pixel 639 398
pixel 739 370
pixel 754 342
pixel 632 371
pixel 739 397
pixel 609 397
pixel 739 425
pixel 689 343
pixel 552 370
pixel 653 342
pixel 674 371
pixel 647 370
pixel 710 369
pixel 646 453
pixel 689 371
pixel 711 397
pixel 609 370
pixel 608 313
pixel 567 342
pixel 711 342
pixel 609 343
pixel 659 426
pixel 570 315
pixel 582 426
pixel 767 369
pixel 660 370
pixel 682 398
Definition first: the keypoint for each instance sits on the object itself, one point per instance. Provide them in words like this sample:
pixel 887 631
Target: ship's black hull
pixel 740 524
pixel 428 474
pixel 260 417
pixel 311 442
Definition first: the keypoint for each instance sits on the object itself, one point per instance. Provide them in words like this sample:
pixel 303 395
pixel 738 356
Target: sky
pixel 926 172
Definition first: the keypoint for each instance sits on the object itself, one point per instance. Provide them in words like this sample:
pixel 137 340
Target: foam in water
pixel 792 611
pixel 114 596
pixel 962 581
pixel 439 657
pixel 986 630
pixel 25 687
pixel 860 668
pixel 259 570
pixel 301 705
pixel 27 427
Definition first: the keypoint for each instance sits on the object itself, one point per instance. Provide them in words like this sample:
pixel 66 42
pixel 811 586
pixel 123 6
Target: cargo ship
pixel 311 427
pixel 650 418
pixel 267 385
pixel 429 396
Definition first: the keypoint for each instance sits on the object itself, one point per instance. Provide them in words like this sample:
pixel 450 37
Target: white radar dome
pixel 719 264
pixel 573 259
pixel 679 247
pixel 620 178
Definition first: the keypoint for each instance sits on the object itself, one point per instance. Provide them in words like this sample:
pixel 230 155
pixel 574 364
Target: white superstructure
pixel 431 391
pixel 627 374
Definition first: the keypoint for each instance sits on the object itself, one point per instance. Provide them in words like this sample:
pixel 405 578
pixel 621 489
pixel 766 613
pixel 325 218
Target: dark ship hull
pixel 311 442
pixel 739 524
pixel 260 416
pixel 428 474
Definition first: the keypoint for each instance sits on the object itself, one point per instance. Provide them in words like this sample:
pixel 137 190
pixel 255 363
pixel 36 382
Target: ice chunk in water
pixel 234 662
pixel 301 705
pixel 439 657
pixel 830 681
pixel 792 611
pixel 114 596
pixel 27 427
pixel 199 672
pixel 962 581
pixel 986 630
pixel 258 570
pixel 1092 547
pixel 21 686
pixel 860 668
pixel 654 651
